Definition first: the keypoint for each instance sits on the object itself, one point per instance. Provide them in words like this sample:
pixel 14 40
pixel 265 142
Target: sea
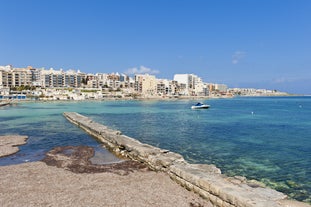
pixel 262 138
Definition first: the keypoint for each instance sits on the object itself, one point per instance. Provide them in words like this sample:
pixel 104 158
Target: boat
pixel 200 106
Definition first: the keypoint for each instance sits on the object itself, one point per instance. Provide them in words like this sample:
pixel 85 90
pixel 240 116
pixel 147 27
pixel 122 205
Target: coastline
pixel 155 98
pixel 226 101
pixel 38 184
pixel 4 103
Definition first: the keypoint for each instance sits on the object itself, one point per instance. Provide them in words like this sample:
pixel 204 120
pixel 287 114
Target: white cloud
pixel 287 80
pixel 141 70
pixel 237 56
pixel 280 80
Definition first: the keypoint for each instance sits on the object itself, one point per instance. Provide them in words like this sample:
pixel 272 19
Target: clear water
pixel 268 139
pixel 46 128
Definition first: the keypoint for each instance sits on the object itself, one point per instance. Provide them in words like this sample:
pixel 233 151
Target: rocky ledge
pixel 77 159
pixel 203 179
pixel 9 143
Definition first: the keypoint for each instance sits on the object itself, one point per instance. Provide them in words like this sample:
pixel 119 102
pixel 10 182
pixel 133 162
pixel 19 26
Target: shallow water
pixel 46 128
pixel 268 139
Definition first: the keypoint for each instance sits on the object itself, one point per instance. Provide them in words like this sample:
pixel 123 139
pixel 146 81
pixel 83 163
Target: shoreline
pixel 15 101
pixel 39 184
pixel 4 103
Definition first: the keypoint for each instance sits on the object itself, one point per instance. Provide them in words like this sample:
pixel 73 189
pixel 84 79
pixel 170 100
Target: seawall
pixel 206 180
pixel 4 103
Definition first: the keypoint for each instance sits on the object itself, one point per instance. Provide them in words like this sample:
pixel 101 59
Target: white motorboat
pixel 200 106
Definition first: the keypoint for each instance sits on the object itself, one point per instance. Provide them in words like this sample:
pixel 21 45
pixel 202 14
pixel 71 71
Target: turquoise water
pixel 268 139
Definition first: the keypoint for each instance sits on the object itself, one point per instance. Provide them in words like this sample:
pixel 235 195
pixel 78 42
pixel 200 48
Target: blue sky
pixel 242 43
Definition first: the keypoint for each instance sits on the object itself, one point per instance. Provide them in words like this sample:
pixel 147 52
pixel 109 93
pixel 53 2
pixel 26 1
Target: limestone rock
pixel 9 143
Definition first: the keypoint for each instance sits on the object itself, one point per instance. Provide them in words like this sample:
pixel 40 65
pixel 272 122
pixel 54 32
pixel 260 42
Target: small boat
pixel 200 106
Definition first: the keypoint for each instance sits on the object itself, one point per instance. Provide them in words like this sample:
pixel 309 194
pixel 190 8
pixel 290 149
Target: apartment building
pixel 13 77
pixel 166 87
pixel 163 87
pixel 146 84
pixel 190 84
pixel 59 78
pixel 221 88
pixel 112 80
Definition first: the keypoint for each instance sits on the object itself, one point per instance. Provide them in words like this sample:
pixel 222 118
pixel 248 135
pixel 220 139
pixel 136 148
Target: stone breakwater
pixel 206 180
pixel 4 103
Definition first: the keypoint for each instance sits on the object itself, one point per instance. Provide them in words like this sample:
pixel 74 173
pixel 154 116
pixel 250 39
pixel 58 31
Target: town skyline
pixel 258 44
pixel 14 79
pixel 42 84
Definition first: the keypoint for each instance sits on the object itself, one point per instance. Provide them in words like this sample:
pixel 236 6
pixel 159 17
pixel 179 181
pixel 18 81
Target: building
pixel 146 84
pixel 201 89
pixel 14 77
pixel 190 84
pixel 59 78
pixel 163 87
pixel 184 81
pixel 36 76
pixel 222 88
pixel 126 81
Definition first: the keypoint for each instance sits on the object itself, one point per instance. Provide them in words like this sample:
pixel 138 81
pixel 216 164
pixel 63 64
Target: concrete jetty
pixel 206 180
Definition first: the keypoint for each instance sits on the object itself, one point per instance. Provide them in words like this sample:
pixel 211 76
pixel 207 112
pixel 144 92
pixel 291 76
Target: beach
pixel 37 184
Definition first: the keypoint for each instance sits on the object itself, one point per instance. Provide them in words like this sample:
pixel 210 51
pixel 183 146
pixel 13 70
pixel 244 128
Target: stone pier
pixel 206 180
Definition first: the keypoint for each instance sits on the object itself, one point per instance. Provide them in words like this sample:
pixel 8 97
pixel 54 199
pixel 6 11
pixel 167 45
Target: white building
pixel 190 84
pixel 185 83
pixel 164 87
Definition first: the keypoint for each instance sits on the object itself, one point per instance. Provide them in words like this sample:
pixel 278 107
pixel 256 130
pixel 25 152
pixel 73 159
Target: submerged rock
pixel 77 159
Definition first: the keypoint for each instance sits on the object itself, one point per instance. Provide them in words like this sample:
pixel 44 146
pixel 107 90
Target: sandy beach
pixel 39 184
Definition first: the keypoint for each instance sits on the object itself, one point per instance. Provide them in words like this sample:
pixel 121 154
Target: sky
pixel 241 43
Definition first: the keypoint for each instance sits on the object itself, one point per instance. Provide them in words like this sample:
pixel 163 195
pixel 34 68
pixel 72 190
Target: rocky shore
pixel 206 180
pixel 66 177
pixel 9 143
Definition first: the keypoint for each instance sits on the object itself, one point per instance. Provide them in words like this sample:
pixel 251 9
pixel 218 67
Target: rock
pixel 9 143
pixel 77 159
